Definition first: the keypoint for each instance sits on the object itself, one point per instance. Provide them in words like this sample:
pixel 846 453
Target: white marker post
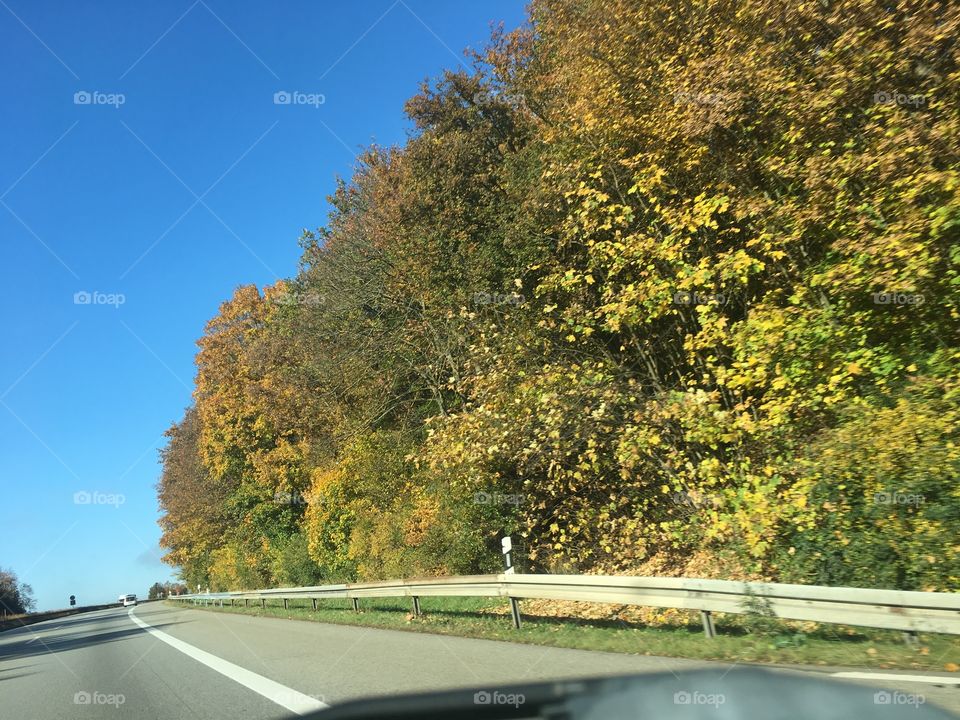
pixel 507 546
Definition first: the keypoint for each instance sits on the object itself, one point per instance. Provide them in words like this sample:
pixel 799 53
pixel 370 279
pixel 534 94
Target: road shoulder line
pixel 928 679
pixel 291 699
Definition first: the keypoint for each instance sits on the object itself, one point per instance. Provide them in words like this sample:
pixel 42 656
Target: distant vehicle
pixel 128 600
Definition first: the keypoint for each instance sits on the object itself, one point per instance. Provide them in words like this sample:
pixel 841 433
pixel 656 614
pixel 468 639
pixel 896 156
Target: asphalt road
pixel 157 661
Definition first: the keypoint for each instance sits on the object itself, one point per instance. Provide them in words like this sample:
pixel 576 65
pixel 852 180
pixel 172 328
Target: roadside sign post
pixel 506 544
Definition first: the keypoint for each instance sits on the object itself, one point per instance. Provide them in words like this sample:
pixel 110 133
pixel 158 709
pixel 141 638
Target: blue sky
pixel 146 164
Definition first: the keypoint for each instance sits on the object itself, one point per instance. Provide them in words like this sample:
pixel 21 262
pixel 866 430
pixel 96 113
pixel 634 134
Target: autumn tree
pixel 194 520
pixel 16 596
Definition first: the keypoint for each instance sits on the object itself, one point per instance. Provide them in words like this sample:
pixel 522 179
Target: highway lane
pixel 221 665
pixel 101 665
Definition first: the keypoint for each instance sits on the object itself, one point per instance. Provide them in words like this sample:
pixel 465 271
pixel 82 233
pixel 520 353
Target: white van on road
pixel 128 600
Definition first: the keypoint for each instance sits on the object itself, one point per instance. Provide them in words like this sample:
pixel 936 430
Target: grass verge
pixel 774 643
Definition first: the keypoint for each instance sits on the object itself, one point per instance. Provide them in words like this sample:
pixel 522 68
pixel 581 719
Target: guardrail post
pixel 356 604
pixel 231 602
pixel 314 604
pixel 245 601
pixel 911 638
pixel 416 606
pixel 284 603
pixel 515 612
pixel 263 603
pixel 708 628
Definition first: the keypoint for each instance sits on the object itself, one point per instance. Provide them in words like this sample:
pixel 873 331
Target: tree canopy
pixel 16 597
pixel 654 285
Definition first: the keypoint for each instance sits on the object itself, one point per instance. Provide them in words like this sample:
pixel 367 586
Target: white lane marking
pixel 291 699
pixel 929 679
pixel 37 637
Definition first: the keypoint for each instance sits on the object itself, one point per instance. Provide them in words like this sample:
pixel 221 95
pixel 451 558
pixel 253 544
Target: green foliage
pixel 758 616
pixel 235 567
pixel 883 506
pixel 292 565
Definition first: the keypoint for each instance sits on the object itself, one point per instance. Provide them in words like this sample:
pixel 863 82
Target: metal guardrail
pixel 911 612
pixel 8 622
